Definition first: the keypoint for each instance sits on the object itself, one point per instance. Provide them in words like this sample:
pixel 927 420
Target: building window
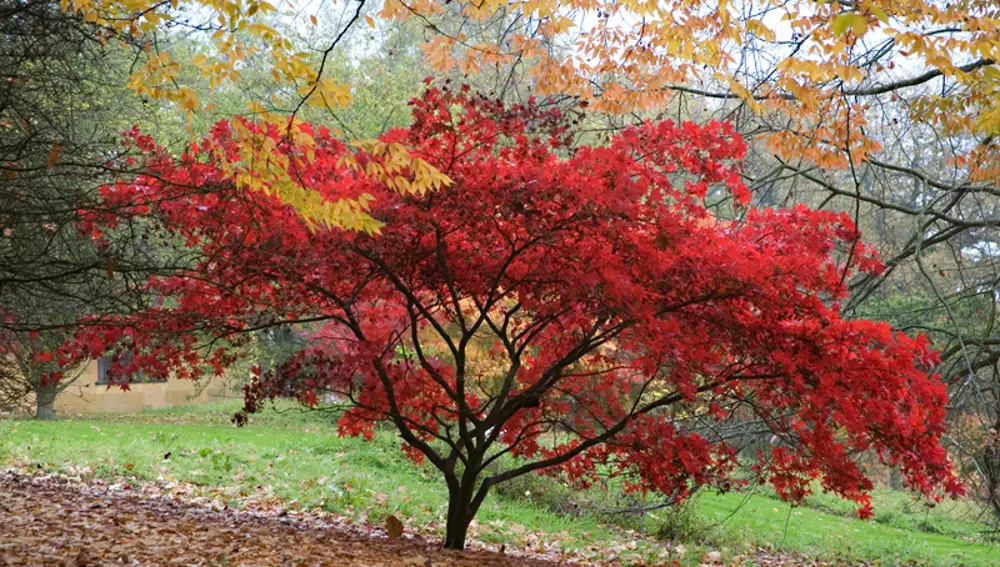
pixel 104 375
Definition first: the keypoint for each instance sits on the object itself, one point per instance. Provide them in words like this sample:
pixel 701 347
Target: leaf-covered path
pixel 47 521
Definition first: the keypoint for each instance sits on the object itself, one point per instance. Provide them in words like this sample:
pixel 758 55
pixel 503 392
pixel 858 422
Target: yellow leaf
pixel 153 19
pixel 261 29
pixel 856 22
pixel 746 95
pixel 371 22
pixel 760 30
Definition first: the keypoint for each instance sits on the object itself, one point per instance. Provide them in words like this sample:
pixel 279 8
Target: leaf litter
pixel 62 520
pixel 48 520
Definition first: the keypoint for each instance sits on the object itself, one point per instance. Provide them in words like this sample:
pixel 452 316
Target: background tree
pixel 31 374
pixel 612 301
pixel 51 137
pixel 56 131
pixel 63 107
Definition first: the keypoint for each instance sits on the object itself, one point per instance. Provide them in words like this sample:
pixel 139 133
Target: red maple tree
pixel 578 309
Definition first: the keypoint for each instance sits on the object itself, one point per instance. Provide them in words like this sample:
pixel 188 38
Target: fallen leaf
pixel 54 154
pixel 393 527
pixel 712 557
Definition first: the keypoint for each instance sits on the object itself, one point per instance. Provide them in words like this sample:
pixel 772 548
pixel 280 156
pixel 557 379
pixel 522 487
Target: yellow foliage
pixel 811 59
pixel 260 168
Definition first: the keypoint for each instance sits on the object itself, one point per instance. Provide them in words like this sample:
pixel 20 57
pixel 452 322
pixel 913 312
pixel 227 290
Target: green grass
pixel 292 459
pixel 777 525
pixel 295 459
pixel 956 518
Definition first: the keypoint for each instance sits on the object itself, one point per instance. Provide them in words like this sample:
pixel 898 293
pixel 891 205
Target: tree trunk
pixel 457 530
pixel 463 503
pixel 45 401
pixel 895 479
pixel 459 516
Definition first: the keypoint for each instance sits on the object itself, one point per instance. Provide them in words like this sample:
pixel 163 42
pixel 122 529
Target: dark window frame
pixel 138 378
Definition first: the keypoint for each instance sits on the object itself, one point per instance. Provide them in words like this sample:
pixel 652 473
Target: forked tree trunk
pixel 45 401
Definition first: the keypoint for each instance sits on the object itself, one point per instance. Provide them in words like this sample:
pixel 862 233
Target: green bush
pixel 544 491
pixel 681 522
pixel 888 517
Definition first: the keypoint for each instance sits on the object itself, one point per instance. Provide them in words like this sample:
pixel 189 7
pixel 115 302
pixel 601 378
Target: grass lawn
pixel 297 460
pixel 816 533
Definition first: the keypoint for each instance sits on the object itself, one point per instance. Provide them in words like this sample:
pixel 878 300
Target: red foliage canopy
pixel 579 308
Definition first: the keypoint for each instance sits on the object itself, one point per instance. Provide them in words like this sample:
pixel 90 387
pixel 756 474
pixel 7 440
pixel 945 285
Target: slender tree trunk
pixel 895 479
pixel 45 401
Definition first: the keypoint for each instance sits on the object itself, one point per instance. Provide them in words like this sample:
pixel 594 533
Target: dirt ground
pixel 55 522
